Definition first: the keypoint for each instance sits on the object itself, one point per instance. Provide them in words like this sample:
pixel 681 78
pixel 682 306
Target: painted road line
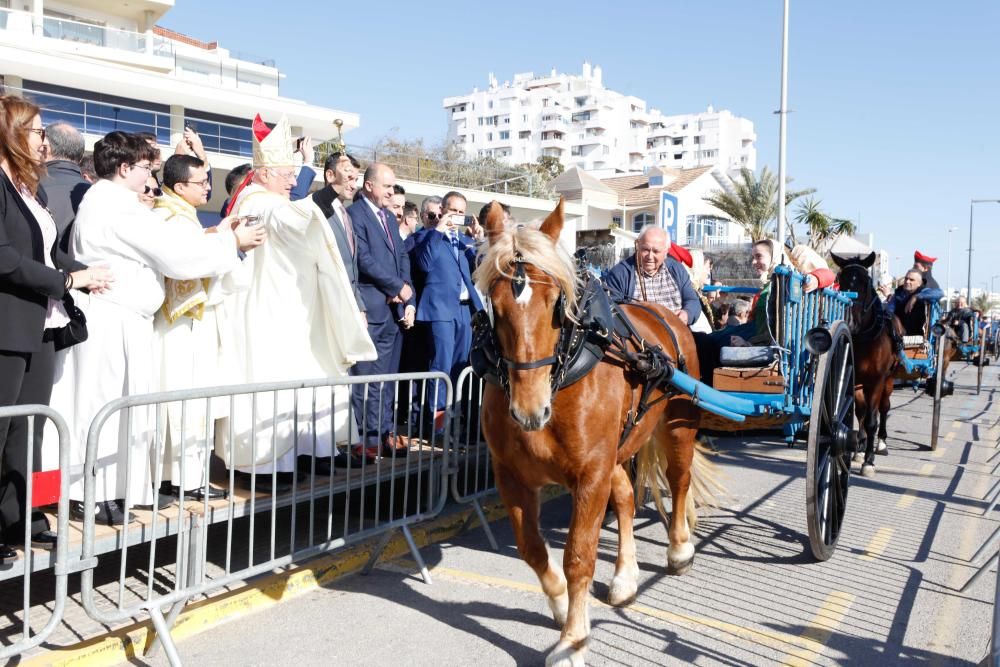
pixel 910 496
pixel 878 543
pixel 780 641
pixel 820 628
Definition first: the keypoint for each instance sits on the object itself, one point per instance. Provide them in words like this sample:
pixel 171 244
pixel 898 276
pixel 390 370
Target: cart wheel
pixel 938 383
pixel 831 432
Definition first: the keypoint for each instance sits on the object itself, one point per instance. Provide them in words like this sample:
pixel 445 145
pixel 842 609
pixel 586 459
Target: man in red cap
pixel 923 263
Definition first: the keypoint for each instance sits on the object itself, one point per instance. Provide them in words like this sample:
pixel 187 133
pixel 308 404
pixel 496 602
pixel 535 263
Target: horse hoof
pixel 565 655
pixel 623 590
pixel 859 457
pixel 882 449
pixel 559 606
pixel 868 470
pixel 680 560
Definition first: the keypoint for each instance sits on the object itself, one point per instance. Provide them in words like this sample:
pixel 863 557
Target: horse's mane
pixel 536 248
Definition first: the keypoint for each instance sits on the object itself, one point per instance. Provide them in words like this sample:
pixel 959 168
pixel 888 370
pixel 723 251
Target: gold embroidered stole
pixel 184 298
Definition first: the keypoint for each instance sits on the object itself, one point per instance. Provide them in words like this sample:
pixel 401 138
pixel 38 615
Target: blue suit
pixel 441 305
pixel 383 269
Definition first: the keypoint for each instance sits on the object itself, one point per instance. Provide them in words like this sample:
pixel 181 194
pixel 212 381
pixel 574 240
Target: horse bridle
pixel 878 322
pixel 568 332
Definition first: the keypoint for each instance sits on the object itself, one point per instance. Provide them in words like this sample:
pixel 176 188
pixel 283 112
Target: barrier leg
pixel 163 634
pixel 376 552
pixel 192 575
pixel 415 552
pixel 485 524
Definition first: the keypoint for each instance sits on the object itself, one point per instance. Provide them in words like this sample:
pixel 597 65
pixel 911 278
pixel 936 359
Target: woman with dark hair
pixel 35 275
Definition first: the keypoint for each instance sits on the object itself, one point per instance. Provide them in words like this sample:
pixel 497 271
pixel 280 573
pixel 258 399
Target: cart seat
pixel 748 357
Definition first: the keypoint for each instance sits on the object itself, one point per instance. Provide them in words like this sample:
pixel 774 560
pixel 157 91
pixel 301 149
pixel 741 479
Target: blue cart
pixel 919 361
pixel 803 382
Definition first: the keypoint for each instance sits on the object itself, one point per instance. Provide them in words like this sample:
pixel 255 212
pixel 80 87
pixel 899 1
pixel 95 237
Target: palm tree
pixel 822 227
pixel 753 203
pixel 983 303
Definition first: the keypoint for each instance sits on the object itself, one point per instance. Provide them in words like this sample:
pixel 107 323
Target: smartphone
pixel 191 126
pixel 249 220
pixel 468 221
pixel 298 143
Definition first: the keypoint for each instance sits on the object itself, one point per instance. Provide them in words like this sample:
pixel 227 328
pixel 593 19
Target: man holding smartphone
pixel 448 300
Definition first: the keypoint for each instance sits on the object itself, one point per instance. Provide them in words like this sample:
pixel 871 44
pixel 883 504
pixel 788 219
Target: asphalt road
pixel 890 595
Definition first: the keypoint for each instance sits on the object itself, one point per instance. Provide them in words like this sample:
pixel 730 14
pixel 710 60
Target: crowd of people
pixel 350 279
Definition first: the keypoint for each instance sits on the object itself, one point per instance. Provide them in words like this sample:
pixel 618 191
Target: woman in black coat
pixel 34 277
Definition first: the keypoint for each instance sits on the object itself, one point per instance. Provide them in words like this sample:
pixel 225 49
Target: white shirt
pixel 55 317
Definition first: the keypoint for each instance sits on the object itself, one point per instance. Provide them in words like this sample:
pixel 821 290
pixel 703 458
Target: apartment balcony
pixel 561 144
pixel 143 49
pixel 555 125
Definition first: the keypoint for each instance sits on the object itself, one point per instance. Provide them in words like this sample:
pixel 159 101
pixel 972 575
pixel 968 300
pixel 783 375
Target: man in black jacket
pixel 64 184
pixel 340 173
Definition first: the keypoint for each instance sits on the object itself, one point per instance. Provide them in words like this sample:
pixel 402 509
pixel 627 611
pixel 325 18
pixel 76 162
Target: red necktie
pixel 385 227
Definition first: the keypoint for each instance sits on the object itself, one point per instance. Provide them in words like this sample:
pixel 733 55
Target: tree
pixel 822 227
pixel 753 204
pixel 983 303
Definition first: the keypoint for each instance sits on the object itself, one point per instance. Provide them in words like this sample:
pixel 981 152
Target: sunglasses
pixel 39 131
pixel 157 192
pixel 432 216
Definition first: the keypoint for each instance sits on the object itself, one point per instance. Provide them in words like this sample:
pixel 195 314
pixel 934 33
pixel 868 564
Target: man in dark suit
pixel 446 256
pixel 340 173
pixel 64 185
pixel 386 289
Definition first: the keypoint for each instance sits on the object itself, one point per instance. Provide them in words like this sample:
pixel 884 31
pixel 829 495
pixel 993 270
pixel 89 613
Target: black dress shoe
pixel 323 466
pixel 263 483
pixel 200 494
pixel 340 459
pixel 108 512
pixel 44 540
pixel 7 555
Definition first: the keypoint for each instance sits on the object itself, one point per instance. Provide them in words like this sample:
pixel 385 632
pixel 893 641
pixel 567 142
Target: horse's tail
pixel 651 477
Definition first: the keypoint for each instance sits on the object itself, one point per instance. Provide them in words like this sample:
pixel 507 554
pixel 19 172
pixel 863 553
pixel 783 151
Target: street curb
pixel 130 642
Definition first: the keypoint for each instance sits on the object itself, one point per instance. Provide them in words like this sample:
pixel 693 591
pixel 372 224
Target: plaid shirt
pixel 661 288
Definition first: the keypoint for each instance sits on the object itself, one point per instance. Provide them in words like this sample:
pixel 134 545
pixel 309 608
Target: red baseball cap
pixel 681 254
pixel 922 258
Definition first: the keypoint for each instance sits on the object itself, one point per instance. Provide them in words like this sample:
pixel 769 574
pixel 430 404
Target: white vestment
pixel 194 352
pixel 120 356
pixel 301 322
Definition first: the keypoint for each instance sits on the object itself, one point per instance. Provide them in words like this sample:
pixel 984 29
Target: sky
pixel 895 103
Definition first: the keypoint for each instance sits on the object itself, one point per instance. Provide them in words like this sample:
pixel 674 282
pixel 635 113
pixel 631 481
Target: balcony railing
pixel 68 30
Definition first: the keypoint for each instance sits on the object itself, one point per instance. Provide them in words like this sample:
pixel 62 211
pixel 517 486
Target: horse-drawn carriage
pixel 802 381
pixel 920 360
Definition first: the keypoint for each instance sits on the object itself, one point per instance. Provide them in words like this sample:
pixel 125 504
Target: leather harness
pixel 599 330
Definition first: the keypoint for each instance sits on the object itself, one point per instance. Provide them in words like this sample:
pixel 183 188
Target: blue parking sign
pixel 668 214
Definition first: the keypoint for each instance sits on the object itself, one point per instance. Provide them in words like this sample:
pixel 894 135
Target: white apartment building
pixel 575 119
pixel 104 66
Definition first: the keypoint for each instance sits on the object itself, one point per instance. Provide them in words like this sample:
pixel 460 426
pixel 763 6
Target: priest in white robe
pixel 192 336
pixel 119 358
pixel 302 320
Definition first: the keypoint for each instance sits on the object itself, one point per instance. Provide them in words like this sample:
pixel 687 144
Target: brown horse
pixel 541 434
pixel 874 356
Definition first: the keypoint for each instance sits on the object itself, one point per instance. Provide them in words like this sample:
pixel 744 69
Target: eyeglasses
pixel 432 216
pixel 287 175
pixel 206 183
pixel 157 192
pixel 39 131
pixel 147 167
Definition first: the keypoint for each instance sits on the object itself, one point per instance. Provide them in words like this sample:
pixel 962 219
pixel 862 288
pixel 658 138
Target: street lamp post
pixel 947 305
pixel 782 114
pixel 972 204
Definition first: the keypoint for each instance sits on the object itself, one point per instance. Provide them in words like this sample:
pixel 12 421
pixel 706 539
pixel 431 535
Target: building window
pixel 580 117
pixel 490 104
pixel 505 135
pixel 678 156
pixel 480 121
pixel 95 113
pixel 616 220
pixel 708 153
pixel 678 141
pixel 524 134
pixel 640 220
pixel 707 230
pixel 489 136
pixel 576 150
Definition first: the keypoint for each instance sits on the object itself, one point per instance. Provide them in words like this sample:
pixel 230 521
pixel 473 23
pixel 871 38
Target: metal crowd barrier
pixel 34 561
pixel 171 545
pixel 472 466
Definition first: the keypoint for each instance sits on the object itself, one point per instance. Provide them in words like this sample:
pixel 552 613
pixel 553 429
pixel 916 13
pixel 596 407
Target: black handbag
pixel 74 332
